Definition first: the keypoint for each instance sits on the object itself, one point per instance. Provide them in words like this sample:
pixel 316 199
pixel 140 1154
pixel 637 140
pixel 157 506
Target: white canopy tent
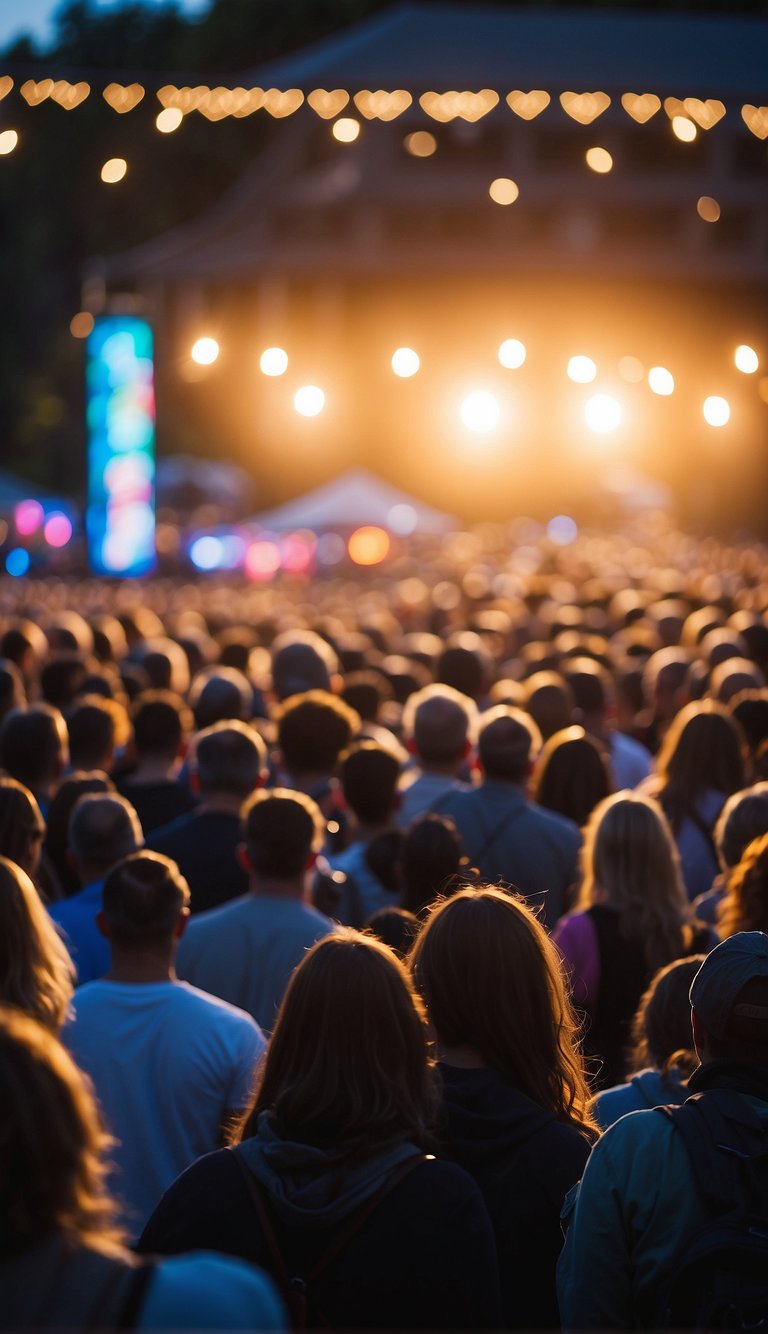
pixel 355 498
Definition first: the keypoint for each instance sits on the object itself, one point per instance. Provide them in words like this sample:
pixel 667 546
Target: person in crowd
pixel 745 904
pixel 62 677
pixel 36 972
pixel 593 692
pixel 302 661
pixel 56 852
pixel 515 1104
pixel 465 667
pixel 246 950
pixel 98 729
pixel 572 775
pixel 395 927
pixel 632 918
pixel 162 725
pixel 165 663
pixel 369 779
pixel 139 1020
pixel 432 861
pixel 438 726
pixel 642 1197
pixel 34 749
pixel 548 698
pixel 662 1056
pixel 12 692
pixel 700 764
pixel 506 836
pixel 228 763
pixel 103 828
pixel 329 1171
pixel 743 818
pixel 63 1263
pixel 313 730
pixel 220 694
pixel 22 828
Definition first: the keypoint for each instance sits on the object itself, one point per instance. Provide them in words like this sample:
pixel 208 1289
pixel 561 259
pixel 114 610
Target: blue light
pixel 17 562
pixel 207 553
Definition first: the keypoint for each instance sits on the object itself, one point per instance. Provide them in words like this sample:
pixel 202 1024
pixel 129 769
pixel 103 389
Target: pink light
pixel 262 560
pixel 28 516
pixel 57 530
pixel 297 554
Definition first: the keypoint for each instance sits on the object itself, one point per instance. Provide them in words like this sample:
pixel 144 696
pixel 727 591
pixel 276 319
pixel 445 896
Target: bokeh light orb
pixel 599 160
pixel 602 413
pixel 503 190
pixel 480 411
pixel 205 351
pixel 81 324
pixel 562 530
pixel 661 381
pixel 405 362
pixel 512 353
pixel 420 144
pixel 717 410
pixel 114 170
pixel 746 359
pixel 8 141
pixel 582 370
pixel 273 361
pixel 368 545
pixel 262 560
pixel 309 401
pixel 17 562
pixel 169 119
pixel 346 129
pixel 28 517
pixel 57 529
pixel 708 209
pixel 403 519
pixel 684 129
pixel 207 552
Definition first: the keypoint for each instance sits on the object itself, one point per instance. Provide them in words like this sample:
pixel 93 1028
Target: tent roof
pixel 437 46
pixel 356 497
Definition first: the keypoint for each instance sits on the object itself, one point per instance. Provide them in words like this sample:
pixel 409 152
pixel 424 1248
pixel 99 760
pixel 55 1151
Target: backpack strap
pixel 724 1136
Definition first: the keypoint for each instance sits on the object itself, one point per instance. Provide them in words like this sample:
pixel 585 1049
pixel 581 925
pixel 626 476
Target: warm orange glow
pixel 717 410
pixel 382 105
pixel 528 105
pixel 755 119
pixel 205 351
pixel 661 381
pixel 706 114
pixel 327 105
pixel 512 353
pixel 368 545
pixel 503 190
pixel 602 413
pixel 421 143
pixel 762 389
pixel 273 361
pixel 684 129
pixel 35 93
pixel 70 95
pixel 114 170
pixel 455 105
pixel 6 84
pixel 582 370
pixel 346 130
pixel 8 141
pixel 81 324
pixel 746 359
pixel 641 106
pixel 708 209
pixel 405 362
pixel 631 369
pixel 599 160
pixel 480 411
pixel 122 99
pixel 584 107
pixel 169 119
pixel 309 401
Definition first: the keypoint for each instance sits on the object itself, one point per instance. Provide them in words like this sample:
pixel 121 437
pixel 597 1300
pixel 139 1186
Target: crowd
pixel 343 923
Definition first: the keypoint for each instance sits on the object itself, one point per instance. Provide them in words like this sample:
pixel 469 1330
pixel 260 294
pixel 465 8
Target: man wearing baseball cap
pixel 639 1200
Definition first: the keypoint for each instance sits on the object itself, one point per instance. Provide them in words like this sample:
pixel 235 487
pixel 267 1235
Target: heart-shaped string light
pixel 584 107
pixel 123 98
pixel 528 105
pixel 327 105
pixel 641 106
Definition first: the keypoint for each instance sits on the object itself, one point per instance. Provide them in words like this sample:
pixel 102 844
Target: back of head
pixel 281 830
pixel 590 686
pixel 729 997
pixel 395 927
pixel 750 709
pixel 143 897
pixel 53 1150
pixel 301 660
pixel 702 750
pixel 21 824
pixel 464 669
pixel 61 678
pixel 166 664
pixel 161 723
pixel 432 856
pixel 549 700
pixel 369 777
pixel 96 727
pixel 35 970
pixel 12 694
pixel 440 721
pixel 313 729
pixel 102 830
pixel 60 810
pixel 745 906
pixel 492 981
pixel 744 817
pixel 730 678
pixel 33 745
pixel 347 1066
pixel 661 1029
pixel 508 744
pixel 220 694
pixel 230 758
pixel 572 775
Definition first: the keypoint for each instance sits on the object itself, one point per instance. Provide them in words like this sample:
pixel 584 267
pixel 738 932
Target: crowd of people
pixel 344 922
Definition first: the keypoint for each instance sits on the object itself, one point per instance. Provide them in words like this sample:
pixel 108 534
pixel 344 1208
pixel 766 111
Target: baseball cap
pixel 723 974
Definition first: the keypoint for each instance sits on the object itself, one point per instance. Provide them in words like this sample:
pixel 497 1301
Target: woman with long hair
pixel 62 1259
pixel 328 1181
pixel 22 827
pixel 745 905
pixel 36 972
pixel 700 764
pixel 572 775
pixel 515 1104
pixel 632 918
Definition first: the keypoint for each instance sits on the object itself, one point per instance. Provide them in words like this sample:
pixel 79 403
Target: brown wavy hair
pixel 702 751
pixel 53 1149
pixel 661 1029
pixel 745 906
pixel 491 979
pixel 348 1063
pixel 36 972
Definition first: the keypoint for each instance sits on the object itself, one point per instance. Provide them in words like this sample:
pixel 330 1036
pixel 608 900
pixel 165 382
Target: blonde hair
pixel 36 972
pixel 745 905
pixel 630 862
pixel 491 979
pixel 52 1154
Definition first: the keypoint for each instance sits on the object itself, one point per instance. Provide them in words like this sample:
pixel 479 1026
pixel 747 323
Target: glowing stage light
pixel 205 351
pixel 684 129
pixel 562 530
pixel 169 119
pixel 420 144
pixel 57 530
pixel 207 553
pixel 661 381
pixel 602 413
pixel 262 560
pixel 17 562
pixel 503 190
pixel 114 170
pixel 330 549
pixel 346 130
pixel 480 411
pixel 582 370
pixel 273 361
pixel 403 519
pixel 708 209
pixel 746 359
pixel 309 401
pixel 512 353
pixel 599 160
pixel 632 370
pixel 717 410
pixel 8 141
pixel 405 362
pixel 368 545
pixel 28 516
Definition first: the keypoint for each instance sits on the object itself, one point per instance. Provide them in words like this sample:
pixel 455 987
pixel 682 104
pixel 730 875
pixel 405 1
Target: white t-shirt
pixel 167 1061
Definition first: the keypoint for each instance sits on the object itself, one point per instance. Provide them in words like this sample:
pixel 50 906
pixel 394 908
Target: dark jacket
pixel 524 1162
pixel 424 1259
